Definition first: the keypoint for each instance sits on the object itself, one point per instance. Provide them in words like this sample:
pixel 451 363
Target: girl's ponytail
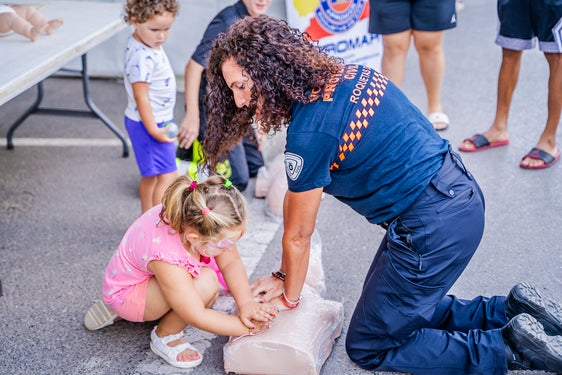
pixel 210 207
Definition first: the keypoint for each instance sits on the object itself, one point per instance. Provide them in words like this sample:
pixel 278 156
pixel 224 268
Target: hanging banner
pixel 340 26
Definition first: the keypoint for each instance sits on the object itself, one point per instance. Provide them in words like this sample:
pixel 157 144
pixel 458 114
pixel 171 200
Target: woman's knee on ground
pixel 363 352
pixel 362 345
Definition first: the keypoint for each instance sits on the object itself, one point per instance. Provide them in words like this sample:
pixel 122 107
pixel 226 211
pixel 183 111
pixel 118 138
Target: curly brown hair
pixel 284 65
pixel 143 10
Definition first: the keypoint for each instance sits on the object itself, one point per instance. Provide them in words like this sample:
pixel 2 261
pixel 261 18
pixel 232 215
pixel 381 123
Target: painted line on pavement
pixel 64 142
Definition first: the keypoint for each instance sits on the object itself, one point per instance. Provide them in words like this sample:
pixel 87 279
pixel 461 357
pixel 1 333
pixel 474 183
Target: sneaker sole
pixel 99 316
pixel 548 313
pixel 547 353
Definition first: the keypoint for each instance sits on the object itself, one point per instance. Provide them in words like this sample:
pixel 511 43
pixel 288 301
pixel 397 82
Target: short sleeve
pixel 308 157
pixel 140 66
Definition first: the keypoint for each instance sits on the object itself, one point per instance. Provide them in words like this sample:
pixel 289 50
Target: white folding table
pixel 24 64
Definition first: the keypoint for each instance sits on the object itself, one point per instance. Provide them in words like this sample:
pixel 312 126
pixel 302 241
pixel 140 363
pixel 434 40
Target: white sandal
pixel 438 118
pixel 99 316
pixel 159 346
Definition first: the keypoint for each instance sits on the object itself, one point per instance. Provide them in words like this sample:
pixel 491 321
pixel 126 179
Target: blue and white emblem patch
pixel 293 165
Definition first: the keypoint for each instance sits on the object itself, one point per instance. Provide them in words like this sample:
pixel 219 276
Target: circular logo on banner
pixel 338 16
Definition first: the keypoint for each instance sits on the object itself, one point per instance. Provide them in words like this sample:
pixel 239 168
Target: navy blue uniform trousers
pixel 404 320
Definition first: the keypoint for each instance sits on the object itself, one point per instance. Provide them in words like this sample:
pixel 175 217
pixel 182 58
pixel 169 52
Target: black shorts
pixel 394 16
pixel 522 22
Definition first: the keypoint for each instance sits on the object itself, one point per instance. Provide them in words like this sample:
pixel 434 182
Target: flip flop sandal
pixel 438 118
pixel 159 345
pixel 99 316
pixel 537 153
pixel 480 142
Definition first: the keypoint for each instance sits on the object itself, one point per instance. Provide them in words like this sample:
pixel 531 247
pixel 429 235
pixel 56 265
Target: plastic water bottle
pixel 172 129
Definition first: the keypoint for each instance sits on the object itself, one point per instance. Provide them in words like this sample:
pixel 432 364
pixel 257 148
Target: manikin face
pixel 154 32
pixel 256 7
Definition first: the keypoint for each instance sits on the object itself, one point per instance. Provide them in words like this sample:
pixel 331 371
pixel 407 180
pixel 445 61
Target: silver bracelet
pixel 294 304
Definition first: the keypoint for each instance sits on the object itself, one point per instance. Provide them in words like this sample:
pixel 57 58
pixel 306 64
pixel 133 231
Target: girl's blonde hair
pixel 143 10
pixel 211 207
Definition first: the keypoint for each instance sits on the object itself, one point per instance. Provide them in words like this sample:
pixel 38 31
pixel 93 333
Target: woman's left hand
pixel 266 288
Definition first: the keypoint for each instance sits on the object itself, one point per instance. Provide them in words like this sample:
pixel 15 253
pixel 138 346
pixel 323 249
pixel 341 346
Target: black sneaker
pixel 525 298
pixel 529 347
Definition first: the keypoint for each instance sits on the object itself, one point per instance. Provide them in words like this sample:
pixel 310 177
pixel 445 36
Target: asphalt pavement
pixel 67 196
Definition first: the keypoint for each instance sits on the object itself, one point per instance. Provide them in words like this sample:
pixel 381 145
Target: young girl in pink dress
pixel 162 270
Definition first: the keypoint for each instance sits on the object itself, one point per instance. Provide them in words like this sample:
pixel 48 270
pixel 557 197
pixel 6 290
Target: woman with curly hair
pixel 352 133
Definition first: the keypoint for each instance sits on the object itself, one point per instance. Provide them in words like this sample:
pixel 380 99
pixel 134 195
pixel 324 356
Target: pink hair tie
pixel 193 185
pixel 205 211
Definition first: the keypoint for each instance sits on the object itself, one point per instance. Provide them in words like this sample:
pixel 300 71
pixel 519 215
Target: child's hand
pixel 252 312
pixel 171 129
pixel 160 135
pixel 257 328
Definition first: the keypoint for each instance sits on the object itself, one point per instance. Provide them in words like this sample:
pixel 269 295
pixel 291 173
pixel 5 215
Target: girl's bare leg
pixel 170 323
pixel 147 186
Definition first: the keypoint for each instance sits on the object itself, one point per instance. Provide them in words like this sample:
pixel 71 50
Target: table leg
pixel 31 110
pixel 94 111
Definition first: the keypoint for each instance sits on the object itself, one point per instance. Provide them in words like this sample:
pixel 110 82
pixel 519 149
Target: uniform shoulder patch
pixel 293 165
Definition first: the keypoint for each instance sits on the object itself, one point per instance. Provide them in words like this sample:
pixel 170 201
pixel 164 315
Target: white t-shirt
pixel 145 64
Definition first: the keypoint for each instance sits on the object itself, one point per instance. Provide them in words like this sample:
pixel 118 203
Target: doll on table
pixel 25 20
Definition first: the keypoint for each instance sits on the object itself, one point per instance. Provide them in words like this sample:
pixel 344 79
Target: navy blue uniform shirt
pixel 364 143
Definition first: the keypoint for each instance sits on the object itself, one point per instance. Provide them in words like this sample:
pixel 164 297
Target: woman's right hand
pixel 266 288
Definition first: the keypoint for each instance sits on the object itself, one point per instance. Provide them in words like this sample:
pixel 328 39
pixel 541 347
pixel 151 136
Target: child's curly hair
pixel 284 65
pixel 143 10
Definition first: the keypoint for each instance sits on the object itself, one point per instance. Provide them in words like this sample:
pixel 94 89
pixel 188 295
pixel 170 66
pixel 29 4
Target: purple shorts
pixel 153 157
